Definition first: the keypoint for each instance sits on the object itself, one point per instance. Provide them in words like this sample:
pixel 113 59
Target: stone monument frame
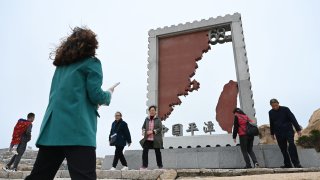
pixel 239 50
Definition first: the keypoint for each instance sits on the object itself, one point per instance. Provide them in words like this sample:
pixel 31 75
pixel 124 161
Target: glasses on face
pixel 117 115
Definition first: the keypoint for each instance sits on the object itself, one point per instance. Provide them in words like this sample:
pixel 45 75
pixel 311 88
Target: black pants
pixel 15 160
pixel 118 154
pixel 149 145
pixel 283 141
pixel 246 144
pixel 81 162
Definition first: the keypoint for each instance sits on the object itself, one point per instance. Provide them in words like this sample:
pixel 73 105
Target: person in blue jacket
pixel 120 129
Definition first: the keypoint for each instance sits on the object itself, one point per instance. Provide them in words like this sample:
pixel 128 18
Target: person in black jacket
pixel 281 121
pixel 123 138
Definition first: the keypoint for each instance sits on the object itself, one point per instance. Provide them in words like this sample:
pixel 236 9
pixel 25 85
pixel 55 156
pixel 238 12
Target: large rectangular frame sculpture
pixel 230 22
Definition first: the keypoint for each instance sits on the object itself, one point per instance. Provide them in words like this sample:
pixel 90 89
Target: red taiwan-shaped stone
pixel 226 104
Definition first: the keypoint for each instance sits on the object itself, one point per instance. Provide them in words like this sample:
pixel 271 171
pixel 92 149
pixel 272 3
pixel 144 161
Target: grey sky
pixel 282 42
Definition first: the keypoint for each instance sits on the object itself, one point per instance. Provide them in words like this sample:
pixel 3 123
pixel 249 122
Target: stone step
pixel 101 174
pixel 28 167
pixel 55 179
pixel 22 161
pixel 26 155
pixel 169 174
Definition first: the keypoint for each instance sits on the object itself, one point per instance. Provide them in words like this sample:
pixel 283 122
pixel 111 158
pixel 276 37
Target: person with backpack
pixel 246 142
pixel 119 137
pixel 20 137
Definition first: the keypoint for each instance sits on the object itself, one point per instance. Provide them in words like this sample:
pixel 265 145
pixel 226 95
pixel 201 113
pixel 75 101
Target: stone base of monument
pixel 268 156
pixel 215 140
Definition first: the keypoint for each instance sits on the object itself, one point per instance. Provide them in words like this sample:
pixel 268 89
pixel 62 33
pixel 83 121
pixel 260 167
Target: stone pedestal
pixel 268 156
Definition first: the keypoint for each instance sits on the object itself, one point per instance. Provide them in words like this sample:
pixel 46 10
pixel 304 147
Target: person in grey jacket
pixel 152 132
pixel 23 140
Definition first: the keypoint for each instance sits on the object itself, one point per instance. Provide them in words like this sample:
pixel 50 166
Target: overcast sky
pixel 282 41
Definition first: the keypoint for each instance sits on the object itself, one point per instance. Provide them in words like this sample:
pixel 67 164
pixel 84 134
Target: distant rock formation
pixel 226 104
pixel 314 123
pixel 265 135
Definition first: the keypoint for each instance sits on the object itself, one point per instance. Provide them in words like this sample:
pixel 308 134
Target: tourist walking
pixel 20 137
pixel 119 137
pixel 281 122
pixel 152 132
pixel 69 126
pixel 246 142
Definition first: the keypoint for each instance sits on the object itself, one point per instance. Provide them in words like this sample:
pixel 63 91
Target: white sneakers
pixel 125 168
pixel 9 170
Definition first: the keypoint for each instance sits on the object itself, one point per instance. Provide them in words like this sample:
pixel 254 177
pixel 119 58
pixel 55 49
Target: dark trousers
pixel 118 154
pixel 246 144
pixel 17 157
pixel 149 145
pixel 283 141
pixel 81 162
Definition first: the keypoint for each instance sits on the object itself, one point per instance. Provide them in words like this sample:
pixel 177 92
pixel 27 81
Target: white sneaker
pixel 113 169
pixel 13 170
pixel 143 168
pixel 5 168
pixel 125 168
pixel 14 152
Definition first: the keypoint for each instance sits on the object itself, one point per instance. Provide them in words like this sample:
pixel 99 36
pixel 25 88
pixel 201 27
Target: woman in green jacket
pixel 69 126
pixel 152 132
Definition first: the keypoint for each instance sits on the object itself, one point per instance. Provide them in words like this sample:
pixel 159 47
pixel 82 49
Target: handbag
pixel 252 129
pixel 142 142
pixel 113 137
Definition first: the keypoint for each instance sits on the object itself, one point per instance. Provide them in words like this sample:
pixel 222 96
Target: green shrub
pixel 311 141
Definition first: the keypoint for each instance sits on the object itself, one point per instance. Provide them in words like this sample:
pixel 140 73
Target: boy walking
pixel 21 136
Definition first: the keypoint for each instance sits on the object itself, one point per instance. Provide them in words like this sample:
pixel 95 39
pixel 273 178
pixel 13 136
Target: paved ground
pixel 285 176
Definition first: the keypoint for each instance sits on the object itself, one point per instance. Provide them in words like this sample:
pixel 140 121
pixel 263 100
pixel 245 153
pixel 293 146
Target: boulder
pixel 265 135
pixel 314 123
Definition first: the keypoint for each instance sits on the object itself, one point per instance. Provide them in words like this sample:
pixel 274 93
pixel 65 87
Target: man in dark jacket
pixel 21 136
pixel 281 122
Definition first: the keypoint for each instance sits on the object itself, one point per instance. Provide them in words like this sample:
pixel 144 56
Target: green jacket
pixel 71 115
pixel 157 142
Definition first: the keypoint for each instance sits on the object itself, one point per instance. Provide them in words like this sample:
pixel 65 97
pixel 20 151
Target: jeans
pixel 15 160
pixel 246 144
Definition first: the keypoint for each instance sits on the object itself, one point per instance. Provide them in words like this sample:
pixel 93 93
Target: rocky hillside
pixel 314 123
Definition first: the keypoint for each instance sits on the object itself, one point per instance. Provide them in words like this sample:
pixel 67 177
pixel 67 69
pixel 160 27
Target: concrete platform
pixel 269 156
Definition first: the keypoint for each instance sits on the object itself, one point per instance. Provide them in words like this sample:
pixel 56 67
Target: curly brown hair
pixel 82 43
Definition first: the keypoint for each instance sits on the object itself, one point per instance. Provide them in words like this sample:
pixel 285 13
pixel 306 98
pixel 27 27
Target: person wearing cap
pixel 281 122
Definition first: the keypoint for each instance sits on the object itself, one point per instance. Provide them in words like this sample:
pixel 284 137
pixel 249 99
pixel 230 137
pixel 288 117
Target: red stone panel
pixel 226 104
pixel 178 56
